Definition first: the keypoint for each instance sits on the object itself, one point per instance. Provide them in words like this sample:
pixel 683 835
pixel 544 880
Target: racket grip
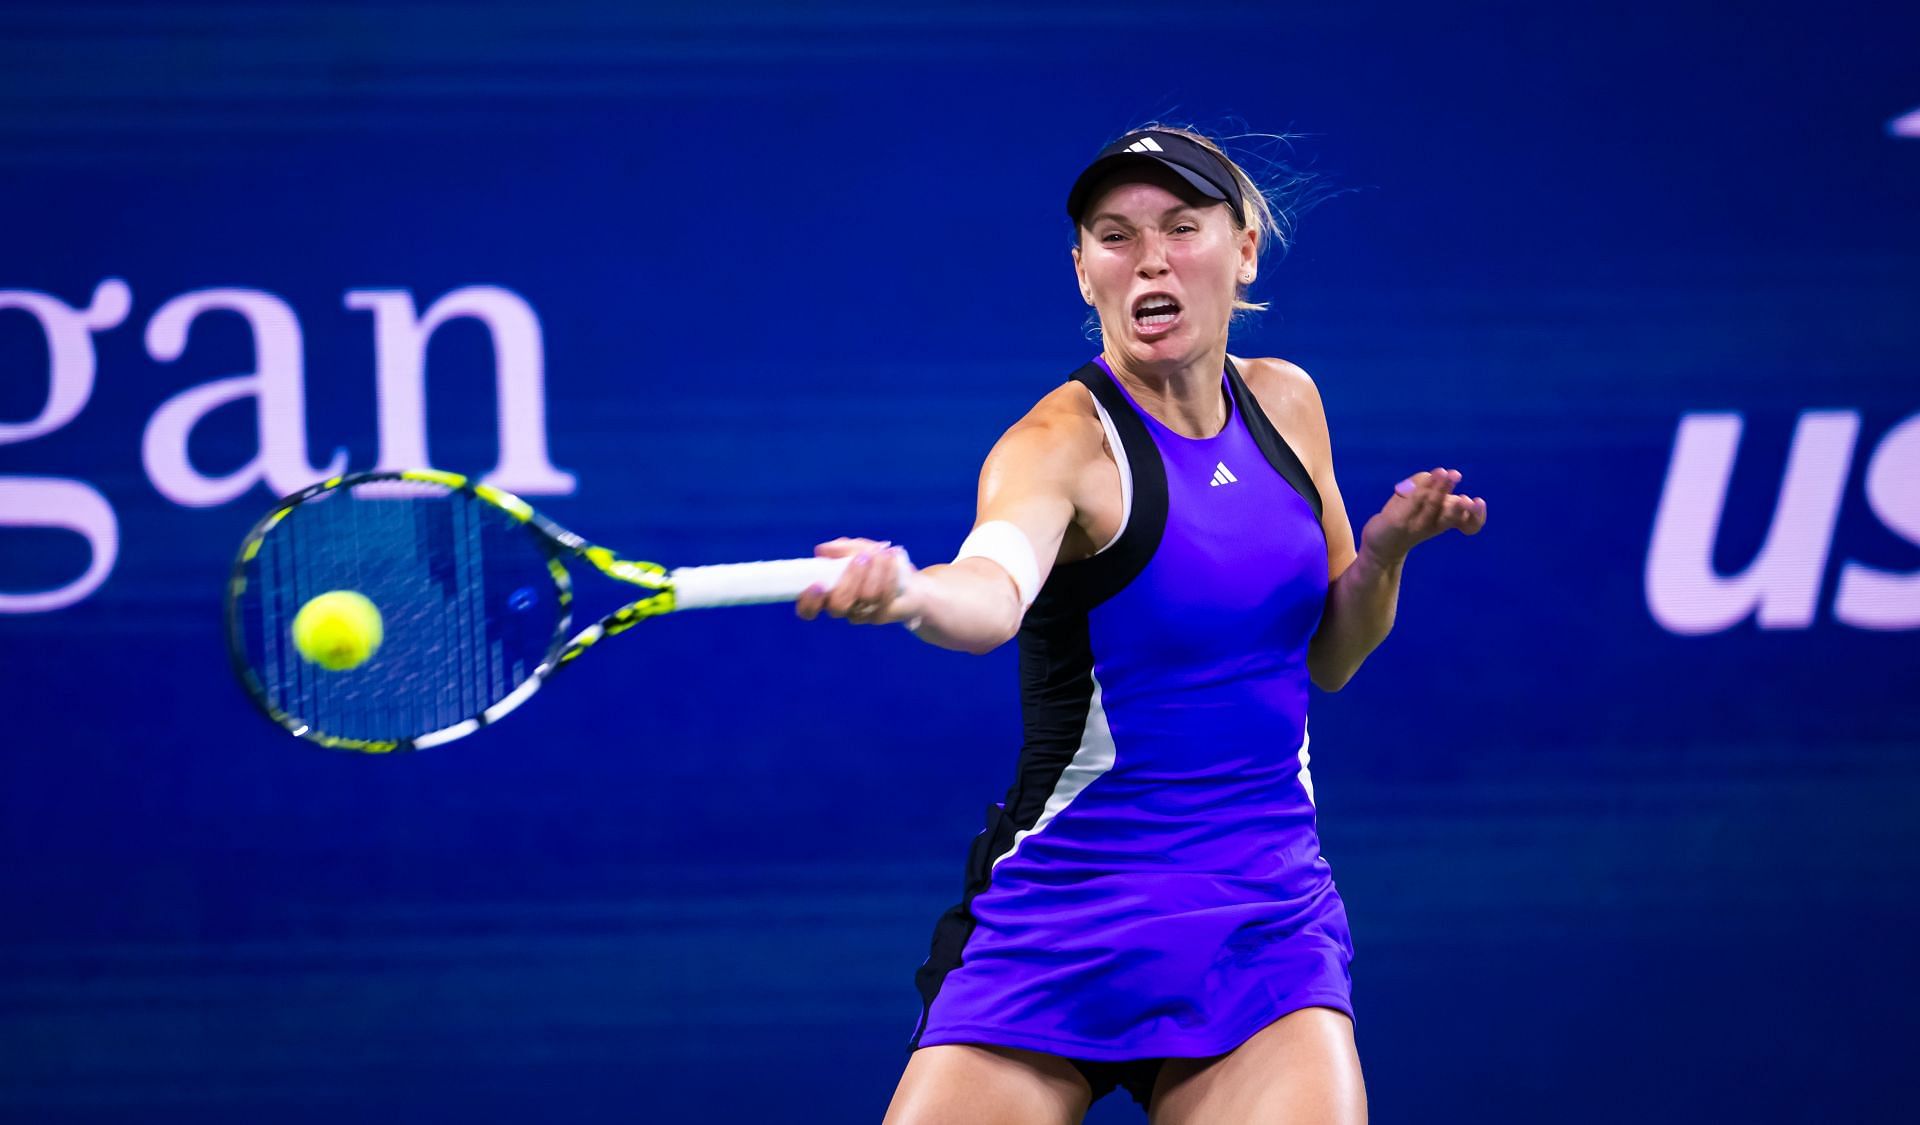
pixel 754 583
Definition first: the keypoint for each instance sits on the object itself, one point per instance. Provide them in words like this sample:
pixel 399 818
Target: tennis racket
pixel 474 600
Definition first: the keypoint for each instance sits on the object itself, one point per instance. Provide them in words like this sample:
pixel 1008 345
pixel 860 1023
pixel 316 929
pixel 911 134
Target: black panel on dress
pixel 1056 650
pixel 1279 454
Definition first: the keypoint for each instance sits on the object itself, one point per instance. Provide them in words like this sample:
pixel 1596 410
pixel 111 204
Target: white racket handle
pixel 756 583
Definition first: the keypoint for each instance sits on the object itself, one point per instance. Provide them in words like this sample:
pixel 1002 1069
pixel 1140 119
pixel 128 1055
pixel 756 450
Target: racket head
pixel 474 602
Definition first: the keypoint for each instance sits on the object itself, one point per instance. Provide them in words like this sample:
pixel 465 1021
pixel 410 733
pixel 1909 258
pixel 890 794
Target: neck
pixel 1184 397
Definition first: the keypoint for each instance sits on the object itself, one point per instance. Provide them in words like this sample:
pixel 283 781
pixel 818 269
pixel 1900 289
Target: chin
pixel 1174 348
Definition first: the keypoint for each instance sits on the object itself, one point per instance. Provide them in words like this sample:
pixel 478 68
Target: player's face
pixel 1162 266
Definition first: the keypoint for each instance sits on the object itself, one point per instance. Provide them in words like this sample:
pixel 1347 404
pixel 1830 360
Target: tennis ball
pixel 338 630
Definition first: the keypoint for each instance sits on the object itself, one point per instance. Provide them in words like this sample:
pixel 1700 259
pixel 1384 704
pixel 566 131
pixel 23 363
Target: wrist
pixel 910 607
pixel 1379 562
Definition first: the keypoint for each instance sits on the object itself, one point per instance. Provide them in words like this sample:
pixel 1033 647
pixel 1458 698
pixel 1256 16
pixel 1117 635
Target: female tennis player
pixel 1149 906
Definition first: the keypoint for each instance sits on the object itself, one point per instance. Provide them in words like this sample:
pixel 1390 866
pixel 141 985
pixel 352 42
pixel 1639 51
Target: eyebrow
pixel 1123 219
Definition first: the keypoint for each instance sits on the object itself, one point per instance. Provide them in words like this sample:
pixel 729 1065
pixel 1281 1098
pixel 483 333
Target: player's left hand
pixel 1423 506
pixel 871 591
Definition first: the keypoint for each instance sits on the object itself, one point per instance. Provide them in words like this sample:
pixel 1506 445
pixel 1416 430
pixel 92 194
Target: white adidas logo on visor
pixel 1223 475
pixel 1145 144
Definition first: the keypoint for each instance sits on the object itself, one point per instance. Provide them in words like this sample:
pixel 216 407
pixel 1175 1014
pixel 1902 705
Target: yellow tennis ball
pixel 338 630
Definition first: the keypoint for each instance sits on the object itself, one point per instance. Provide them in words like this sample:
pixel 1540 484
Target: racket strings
pixel 468 604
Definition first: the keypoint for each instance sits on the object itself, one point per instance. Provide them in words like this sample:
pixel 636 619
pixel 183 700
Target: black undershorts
pixel 1137 1075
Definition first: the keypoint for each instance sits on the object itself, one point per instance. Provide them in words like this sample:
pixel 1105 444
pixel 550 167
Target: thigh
pixel 965 1084
pixel 1301 1069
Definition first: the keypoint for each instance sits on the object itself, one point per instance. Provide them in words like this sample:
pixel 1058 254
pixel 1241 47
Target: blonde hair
pixel 1262 209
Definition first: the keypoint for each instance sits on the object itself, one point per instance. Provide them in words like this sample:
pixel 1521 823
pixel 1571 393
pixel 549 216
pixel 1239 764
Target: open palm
pixel 1422 506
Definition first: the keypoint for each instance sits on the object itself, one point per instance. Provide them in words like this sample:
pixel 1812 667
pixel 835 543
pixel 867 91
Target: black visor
pixel 1192 162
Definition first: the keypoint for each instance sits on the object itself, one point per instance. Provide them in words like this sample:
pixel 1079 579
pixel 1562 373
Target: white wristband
pixel 1005 544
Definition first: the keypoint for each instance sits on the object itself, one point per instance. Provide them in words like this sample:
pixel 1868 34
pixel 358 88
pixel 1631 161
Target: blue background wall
pixel 795 269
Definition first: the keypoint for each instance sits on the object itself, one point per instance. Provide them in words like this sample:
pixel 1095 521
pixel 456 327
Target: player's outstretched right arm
pixel 1030 481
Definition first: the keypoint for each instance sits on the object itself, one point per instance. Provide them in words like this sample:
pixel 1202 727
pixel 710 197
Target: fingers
pixel 865 590
pixel 866 584
pixel 1424 485
pixel 808 604
pixel 1468 513
pixel 814 599
pixel 1435 506
pixel 1421 485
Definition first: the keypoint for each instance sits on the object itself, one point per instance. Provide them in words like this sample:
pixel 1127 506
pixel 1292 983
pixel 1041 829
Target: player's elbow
pixel 1004 627
pixel 966 611
pixel 1326 676
pixel 989 602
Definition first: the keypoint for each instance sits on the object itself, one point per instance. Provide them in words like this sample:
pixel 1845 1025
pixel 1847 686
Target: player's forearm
pixel 1359 614
pixel 970 606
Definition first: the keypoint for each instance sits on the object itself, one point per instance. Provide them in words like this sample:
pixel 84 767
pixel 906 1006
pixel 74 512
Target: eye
pixel 1112 236
pixel 1185 227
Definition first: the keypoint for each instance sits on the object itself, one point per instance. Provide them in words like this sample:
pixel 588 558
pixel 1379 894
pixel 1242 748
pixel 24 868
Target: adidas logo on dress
pixel 1223 475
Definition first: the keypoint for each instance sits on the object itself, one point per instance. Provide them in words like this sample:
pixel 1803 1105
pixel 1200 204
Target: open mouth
pixel 1155 310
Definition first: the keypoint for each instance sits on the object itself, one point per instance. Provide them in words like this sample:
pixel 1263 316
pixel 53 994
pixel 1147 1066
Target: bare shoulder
pixel 1061 431
pixel 1058 452
pixel 1068 406
pixel 1284 388
pixel 1292 403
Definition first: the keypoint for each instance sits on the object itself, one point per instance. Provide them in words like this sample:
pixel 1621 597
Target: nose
pixel 1153 256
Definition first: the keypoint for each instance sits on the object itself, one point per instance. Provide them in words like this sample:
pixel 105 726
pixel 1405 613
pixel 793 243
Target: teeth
pixel 1156 312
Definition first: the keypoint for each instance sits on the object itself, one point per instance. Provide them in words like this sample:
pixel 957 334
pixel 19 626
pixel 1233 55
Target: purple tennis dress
pixel 1152 886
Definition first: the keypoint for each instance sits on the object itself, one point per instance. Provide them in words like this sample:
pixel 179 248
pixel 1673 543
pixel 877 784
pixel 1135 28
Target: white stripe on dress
pixel 1306 775
pixel 1126 475
pixel 1093 758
